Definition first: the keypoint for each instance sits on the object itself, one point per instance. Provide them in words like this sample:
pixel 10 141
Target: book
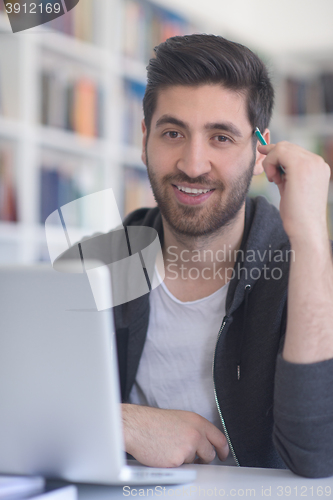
pixel 53 100
pixel 147 25
pixel 133 113
pixel 8 209
pixel 62 180
pixel 313 95
pixel 74 105
pixel 138 192
pixel 69 99
pixel 49 187
pixel 85 108
pixel 326 80
pixel 83 21
pixel 78 22
pixel 17 487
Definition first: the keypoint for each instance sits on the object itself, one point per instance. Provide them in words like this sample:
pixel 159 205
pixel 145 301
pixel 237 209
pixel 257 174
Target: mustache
pixel 202 180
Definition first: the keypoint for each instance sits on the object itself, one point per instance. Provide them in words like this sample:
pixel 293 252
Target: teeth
pixel 192 191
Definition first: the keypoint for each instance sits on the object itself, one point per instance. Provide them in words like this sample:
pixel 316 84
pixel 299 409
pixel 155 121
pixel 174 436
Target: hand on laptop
pixel 169 438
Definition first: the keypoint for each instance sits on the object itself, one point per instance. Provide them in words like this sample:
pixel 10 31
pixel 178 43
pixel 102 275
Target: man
pixel 254 300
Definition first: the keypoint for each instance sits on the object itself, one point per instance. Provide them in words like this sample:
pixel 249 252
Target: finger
pixel 265 149
pixel 223 452
pixel 205 452
pixel 218 440
pixel 201 461
pixel 272 172
pixel 284 153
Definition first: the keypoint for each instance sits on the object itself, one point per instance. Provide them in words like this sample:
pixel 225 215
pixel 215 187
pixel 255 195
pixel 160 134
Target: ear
pixel 258 168
pixel 144 139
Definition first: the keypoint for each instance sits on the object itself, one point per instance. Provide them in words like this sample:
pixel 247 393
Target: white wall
pixel 271 26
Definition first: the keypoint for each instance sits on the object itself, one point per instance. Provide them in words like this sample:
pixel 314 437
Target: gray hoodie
pixel 274 413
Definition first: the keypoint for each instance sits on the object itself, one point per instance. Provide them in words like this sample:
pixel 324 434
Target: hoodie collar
pixel 263 233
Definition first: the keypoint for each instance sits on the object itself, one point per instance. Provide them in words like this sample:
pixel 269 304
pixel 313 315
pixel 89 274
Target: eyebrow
pixel 225 126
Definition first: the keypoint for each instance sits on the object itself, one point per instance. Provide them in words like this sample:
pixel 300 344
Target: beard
pixel 200 220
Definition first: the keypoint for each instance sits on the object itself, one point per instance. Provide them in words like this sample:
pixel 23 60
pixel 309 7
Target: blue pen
pixel 264 143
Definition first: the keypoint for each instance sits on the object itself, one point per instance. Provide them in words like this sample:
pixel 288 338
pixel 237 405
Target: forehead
pixel 202 104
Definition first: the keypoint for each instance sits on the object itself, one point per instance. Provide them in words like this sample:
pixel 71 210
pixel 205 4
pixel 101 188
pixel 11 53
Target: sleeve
pixel 303 416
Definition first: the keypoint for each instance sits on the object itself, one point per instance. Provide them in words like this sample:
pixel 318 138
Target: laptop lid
pixel 59 388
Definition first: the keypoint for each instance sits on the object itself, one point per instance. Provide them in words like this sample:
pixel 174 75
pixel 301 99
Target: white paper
pixel 16 487
pixel 67 493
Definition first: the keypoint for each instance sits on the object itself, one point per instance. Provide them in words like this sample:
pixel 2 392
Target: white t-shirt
pixel 175 370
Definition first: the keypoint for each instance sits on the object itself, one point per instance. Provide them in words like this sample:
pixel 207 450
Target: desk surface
pixel 215 481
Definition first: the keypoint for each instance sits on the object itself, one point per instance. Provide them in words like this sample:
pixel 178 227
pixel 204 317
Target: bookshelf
pixel 304 106
pixel 70 112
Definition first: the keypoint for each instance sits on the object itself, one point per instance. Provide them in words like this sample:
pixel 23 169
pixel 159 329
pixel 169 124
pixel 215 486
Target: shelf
pixel 131 157
pixel 10 231
pixel 16 232
pixel 10 129
pixel 67 46
pixel 63 140
pixel 322 123
pixel 77 50
pixel 134 70
pixel 23 243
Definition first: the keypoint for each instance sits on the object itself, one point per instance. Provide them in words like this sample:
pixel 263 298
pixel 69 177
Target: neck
pixel 195 267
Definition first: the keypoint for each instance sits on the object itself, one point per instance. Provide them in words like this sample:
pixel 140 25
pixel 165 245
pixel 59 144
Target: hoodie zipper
pixel 216 400
pixel 247 290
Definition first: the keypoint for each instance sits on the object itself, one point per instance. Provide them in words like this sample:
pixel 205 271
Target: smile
pixel 192 190
pixel 191 196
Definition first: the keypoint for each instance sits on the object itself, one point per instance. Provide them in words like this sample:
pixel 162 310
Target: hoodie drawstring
pixel 247 291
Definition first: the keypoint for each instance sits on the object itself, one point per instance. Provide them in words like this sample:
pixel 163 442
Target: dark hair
pixel 209 59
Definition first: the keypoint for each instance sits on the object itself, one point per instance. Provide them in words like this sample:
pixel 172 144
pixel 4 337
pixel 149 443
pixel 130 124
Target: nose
pixel 194 160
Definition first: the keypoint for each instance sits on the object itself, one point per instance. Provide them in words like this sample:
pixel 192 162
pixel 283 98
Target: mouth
pixel 190 195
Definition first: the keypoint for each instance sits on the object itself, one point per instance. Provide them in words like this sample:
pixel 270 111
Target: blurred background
pixel 71 93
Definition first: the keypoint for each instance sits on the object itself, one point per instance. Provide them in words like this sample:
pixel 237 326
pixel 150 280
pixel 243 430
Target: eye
pixel 221 138
pixel 172 134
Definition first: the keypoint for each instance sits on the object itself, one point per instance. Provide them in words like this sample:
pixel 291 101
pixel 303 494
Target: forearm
pixel 309 334
pixel 169 438
pixel 303 409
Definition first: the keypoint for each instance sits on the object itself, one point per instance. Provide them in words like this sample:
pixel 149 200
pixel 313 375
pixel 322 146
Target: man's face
pixel 200 139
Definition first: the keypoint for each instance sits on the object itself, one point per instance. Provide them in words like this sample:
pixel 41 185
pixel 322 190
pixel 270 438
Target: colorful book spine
pixel 85 108
pixel 133 113
pixel 76 106
pixel 326 80
pixel 138 192
pixel 56 189
pixel 78 22
pixel 83 21
pixel 309 96
pixel 146 25
pixel 8 209
pixel 61 182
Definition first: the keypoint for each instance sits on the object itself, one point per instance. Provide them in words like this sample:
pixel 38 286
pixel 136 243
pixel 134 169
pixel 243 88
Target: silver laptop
pixel 60 414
